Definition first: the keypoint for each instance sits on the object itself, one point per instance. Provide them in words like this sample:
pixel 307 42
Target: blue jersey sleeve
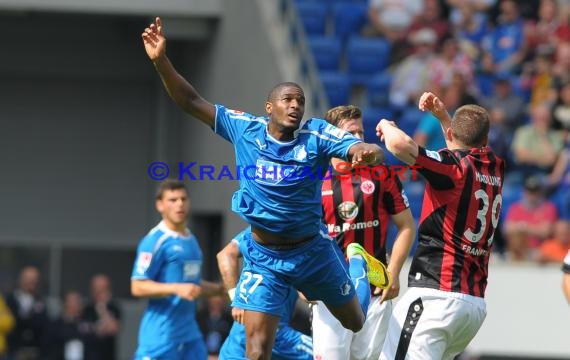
pixel 232 124
pixel 148 261
pixel 333 141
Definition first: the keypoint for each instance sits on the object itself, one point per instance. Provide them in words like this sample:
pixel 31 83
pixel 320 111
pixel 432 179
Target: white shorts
pixel 432 324
pixel 331 341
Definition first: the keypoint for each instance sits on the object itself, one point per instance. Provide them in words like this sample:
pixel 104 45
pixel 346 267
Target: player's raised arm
pixel 430 102
pixel 397 142
pixel 180 90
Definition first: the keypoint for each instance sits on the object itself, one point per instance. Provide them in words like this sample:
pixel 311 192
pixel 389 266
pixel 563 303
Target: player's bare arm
pixel 365 154
pixel 404 221
pixel 180 90
pixel 210 288
pixel 150 288
pixel 397 142
pixel 228 263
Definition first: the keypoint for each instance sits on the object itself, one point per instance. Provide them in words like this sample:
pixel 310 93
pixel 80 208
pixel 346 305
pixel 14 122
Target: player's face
pixel 288 108
pixel 174 207
pixel 353 126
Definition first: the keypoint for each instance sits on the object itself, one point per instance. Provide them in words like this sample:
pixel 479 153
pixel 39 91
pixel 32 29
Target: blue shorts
pixel 289 344
pixel 317 269
pixel 192 350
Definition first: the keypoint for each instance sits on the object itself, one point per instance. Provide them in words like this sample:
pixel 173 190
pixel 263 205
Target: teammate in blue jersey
pixel 290 344
pixel 167 270
pixel 288 244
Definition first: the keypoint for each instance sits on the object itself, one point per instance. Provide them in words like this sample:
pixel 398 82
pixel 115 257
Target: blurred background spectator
pixel 67 332
pixel 529 222
pixel 103 317
pixel 27 341
pixel 554 249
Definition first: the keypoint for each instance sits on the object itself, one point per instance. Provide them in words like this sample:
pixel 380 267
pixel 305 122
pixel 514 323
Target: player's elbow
pixel 136 290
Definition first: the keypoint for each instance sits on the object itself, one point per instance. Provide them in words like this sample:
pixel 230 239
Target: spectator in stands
pixel 537 80
pixel 215 321
pixel 536 146
pixel 559 183
pixel 470 30
pixel 506 48
pixel 555 249
pixel 505 107
pixel 450 61
pixel 561 67
pixel 392 18
pixel 6 324
pixel 479 9
pixel 528 222
pixel 27 340
pixel 542 33
pixel 67 332
pixel 431 17
pixel 104 316
pixel 561 110
pixel 411 77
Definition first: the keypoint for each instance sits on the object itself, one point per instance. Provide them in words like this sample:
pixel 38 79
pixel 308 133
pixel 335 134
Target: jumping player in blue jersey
pixel 290 344
pixel 288 245
pixel 167 270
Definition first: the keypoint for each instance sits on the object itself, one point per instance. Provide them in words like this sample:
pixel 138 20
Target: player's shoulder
pixel 154 237
pixel 323 129
pixel 240 115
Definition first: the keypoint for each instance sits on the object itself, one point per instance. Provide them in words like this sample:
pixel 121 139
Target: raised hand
pixel 430 102
pixel 154 40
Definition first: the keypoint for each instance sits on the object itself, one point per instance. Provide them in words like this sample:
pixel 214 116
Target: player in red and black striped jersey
pixel 358 205
pixel 444 304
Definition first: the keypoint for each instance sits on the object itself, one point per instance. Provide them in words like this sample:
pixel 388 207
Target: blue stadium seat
pixel 326 52
pixel 370 118
pixel 313 15
pixel 409 120
pixel 378 89
pixel 337 87
pixel 511 194
pixel 366 57
pixel 348 18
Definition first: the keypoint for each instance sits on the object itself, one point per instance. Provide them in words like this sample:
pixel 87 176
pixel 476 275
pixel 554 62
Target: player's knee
pixel 258 348
pixel 354 323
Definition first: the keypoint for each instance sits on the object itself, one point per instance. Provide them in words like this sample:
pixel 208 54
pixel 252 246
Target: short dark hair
pixel 470 125
pixel 169 184
pixel 343 112
pixel 277 89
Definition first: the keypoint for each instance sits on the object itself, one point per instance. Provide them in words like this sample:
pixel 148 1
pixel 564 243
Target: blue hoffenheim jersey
pixel 168 257
pixel 280 182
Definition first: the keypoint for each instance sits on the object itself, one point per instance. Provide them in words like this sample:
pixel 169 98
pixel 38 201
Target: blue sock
pixel 359 274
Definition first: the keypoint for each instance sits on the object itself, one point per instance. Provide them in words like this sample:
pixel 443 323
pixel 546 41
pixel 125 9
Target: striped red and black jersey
pixel 357 208
pixel 461 208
